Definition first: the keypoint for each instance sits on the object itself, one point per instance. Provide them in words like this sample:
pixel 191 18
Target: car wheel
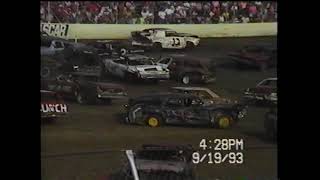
pixel 223 121
pixel 190 45
pixel 153 121
pixel 185 79
pixel 44 72
pixel 123 51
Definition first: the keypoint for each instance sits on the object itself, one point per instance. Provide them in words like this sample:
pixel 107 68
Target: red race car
pixel 265 91
pixel 260 56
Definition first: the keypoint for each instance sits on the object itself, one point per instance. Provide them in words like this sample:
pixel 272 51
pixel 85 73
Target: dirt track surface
pixel 93 128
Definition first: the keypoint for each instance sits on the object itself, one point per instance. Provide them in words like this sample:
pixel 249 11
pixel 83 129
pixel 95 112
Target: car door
pixel 174 109
pixel 174 42
pixel 194 113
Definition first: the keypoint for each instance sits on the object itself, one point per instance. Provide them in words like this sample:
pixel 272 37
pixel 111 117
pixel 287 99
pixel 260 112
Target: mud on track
pixel 96 127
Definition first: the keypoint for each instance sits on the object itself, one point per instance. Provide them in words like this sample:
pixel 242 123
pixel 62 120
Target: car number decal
pixel 176 42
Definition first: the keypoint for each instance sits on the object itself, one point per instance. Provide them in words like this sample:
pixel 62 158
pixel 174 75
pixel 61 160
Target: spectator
pixel 162 17
pixel 253 12
pixel 147 16
pixel 165 11
pixel 169 13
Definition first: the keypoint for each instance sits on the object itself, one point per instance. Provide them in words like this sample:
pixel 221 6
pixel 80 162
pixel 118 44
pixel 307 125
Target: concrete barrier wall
pixel 122 31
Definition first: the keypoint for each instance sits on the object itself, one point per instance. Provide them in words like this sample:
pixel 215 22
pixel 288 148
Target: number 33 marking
pixel 176 42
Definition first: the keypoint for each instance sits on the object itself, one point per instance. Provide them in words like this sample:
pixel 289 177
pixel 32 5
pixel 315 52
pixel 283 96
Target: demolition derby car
pixel 261 56
pixel 135 66
pixel 82 59
pixel 85 88
pixel 51 45
pixel 164 38
pixel 205 94
pixel 170 162
pixel 181 109
pixel 52 105
pixel 112 47
pixel 265 92
pixel 187 69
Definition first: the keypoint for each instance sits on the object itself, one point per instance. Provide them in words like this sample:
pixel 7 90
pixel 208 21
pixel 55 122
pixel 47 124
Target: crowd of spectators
pixel 158 12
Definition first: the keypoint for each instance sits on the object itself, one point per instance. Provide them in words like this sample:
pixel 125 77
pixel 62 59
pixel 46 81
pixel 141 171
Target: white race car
pixel 135 66
pixel 164 38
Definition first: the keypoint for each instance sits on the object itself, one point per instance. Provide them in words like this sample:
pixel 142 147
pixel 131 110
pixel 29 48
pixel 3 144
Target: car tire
pixel 223 121
pixel 45 72
pixel 123 51
pixel 185 79
pixel 190 45
pixel 153 120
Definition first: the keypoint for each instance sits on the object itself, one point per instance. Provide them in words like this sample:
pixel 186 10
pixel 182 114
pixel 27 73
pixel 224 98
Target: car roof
pixel 156 29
